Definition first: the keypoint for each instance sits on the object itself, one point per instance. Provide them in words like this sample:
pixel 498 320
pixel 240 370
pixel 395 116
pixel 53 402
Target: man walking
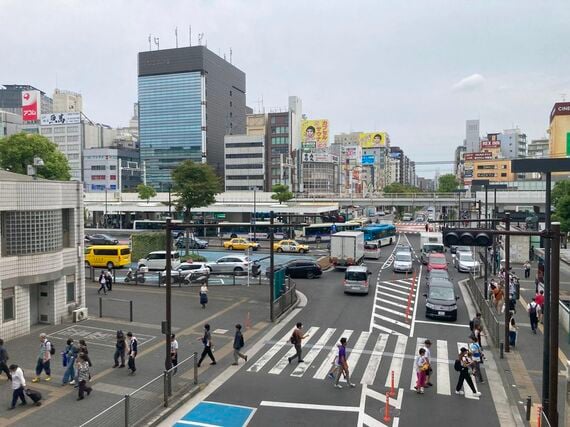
pixel 462 365
pixel 102 283
pixel 343 365
pixel 133 350
pixel 238 345
pixel 18 385
pixel 120 350
pixel 4 360
pixel 44 357
pixel 526 267
pixel 532 309
pixel 207 342
pixel 296 339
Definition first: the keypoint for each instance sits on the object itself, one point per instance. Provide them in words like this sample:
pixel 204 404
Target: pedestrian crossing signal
pixel 466 237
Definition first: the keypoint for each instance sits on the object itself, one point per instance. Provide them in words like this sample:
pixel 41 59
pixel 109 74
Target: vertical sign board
pixel 30 105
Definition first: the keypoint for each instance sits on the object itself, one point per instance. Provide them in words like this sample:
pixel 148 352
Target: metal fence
pixel 492 322
pixel 287 298
pixel 138 406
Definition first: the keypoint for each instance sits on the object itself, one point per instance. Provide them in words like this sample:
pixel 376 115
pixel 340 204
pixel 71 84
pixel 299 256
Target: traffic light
pixel 256 269
pixel 466 237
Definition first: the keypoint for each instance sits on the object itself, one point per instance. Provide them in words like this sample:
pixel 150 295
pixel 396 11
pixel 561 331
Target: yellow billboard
pixel 372 139
pixel 315 133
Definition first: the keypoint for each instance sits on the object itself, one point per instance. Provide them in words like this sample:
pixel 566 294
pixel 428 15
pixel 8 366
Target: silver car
pixel 230 264
pixel 464 262
pixel 403 262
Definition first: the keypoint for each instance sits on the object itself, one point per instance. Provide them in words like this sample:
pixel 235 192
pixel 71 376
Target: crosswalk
pixel 393 307
pixel 372 357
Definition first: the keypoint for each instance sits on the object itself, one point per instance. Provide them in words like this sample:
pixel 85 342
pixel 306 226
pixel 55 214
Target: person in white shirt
pixel 174 351
pixel 427 355
pixel 18 385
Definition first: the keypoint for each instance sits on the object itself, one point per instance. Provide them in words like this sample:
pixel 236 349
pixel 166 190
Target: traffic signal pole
pixel 271 266
pixel 507 281
pixel 553 327
pixel 547 302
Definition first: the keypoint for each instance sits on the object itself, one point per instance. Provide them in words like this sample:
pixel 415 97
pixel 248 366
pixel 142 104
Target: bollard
pixel 131 310
pixel 528 407
pixel 502 350
pixel 100 307
pixel 387 409
pixel 392 389
pixel 539 411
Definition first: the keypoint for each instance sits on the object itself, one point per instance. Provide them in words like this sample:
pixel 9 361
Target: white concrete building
pixel 65 101
pixel 10 123
pixel 244 161
pixel 42 276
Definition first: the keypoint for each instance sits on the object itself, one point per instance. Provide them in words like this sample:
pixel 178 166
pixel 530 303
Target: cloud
pixel 469 83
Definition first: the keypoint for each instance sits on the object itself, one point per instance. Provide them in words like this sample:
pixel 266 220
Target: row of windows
pixel 490 175
pixel 246 166
pixel 279 140
pixel 234 177
pixel 243 187
pixel 279 129
pixel 244 144
pixel 98 167
pixel 245 156
pixel 102 177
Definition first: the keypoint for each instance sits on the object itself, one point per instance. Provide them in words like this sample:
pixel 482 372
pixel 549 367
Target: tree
pixel 447 183
pixel 195 185
pixel 282 193
pixel 399 188
pixel 562 188
pixel 18 151
pixel 562 213
pixel 146 192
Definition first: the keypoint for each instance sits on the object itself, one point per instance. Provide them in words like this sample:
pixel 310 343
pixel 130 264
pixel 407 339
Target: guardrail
pixel 287 298
pixel 138 406
pixel 492 323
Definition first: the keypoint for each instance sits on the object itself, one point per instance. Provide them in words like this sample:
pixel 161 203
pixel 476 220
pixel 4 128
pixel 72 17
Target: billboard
pixel 312 157
pixel 368 159
pixel 60 119
pixel 560 109
pixel 490 144
pixel 483 155
pixel 315 132
pixel 30 105
pixel 372 139
pixel 350 152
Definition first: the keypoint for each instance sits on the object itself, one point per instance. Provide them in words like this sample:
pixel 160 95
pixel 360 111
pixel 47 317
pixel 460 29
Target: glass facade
pixel 170 123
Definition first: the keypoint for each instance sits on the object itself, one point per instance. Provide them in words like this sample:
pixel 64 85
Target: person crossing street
pixel 238 345
pixel 343 365
pixel 207 342
pixel 297 339
pixel 462 365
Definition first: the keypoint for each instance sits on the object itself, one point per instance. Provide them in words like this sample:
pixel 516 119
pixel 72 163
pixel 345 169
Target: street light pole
pixel 547 318
pixel 507 280
pixel 168 329
pixel 254 213
pixel 553 326
pixel 271 267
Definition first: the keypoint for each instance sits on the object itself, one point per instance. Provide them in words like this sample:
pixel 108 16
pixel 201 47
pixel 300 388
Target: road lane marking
pixel 383 329
pixel 442 369
pixel 283 362
pixel 418 281
pixel 395 304
pixel 267 356
pixel 392 296
pixel 390 320
pixel 395 285
pixel 313 353
pixel 390 258
pixel 374 361
pixel 467 390
pixel 294 405
pixel 327 363
pixel 431 322
pixel 389 310
pixel 419 344
pixel 397 361
pixel 405 293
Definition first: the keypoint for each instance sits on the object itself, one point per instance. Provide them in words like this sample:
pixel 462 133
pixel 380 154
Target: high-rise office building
pixel 189 99
pixel 513 143
pixel 472 138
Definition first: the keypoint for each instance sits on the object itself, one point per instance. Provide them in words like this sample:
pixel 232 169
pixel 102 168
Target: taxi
pixel 290 246
pixel 240 244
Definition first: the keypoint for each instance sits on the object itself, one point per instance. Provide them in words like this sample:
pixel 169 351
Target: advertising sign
pixel 315 131
pixel 368 160
pixel 311 157
pixel 30 105
pixel 60 118
pixel 490 144
pixel 372 139
pixel 483 155
pixel 350 152
pixel 560 109
pixel 309 146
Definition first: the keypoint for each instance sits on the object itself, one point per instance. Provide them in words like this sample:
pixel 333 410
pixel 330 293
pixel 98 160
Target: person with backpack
pixel 133 350
pixel 35 395
pixel 238 345
pixel 69 356
pixel 462 364
pixel 296 339
pixel 343 365
pixel 477 357
pixel 44 357
pixel 532 309
pixel 4 360
pixel 18 385
pixel 207 342
pixel 120 350
pixel 422 366
pixel 83 376
pixel 102 284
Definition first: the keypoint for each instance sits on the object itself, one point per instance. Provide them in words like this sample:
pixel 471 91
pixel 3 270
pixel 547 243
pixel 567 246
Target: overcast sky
pixel 416 68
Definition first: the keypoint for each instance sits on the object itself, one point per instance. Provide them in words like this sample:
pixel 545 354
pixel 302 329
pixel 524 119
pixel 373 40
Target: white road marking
pixel 394 285
pixel 390 331
pixel 262 361
pixel 393 296
pixel 374 361
pixel 405 293
pixel 442 369
pixel 389 310
pixel 431 322
pixel 419 344
pixel 283 362
pixel 196 423
pixel 390 320
pixel 418 281
pixel 405 282
pixel 327 363
pixel 397 361
pixel 390 258
pixel 313 353
pixel 468 392
pixel 395 304
pixel 293 405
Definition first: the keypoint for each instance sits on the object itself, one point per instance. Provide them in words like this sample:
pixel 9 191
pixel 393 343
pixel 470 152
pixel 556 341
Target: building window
pixel 8 304
pixel 244 144
pixel 503 174
pixel 98 167
pixel 112 167
pixel 59 130
pixel 70 289
pixel 47 131
pixel 273 120
pixel 245 156
pixel 245 166
pixel 30 232
pixel 112 177
pixel 232 177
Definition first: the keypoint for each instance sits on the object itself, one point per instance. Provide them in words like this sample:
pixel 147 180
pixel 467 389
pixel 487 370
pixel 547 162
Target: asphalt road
pixel 383 335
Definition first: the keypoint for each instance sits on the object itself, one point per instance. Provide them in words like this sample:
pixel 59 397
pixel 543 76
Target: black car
pixel 441 301
pixel 101 239
pixel 303 269
pixel 193 243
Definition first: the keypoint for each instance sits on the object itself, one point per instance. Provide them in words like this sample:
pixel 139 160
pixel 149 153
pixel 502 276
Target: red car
pixel 436 261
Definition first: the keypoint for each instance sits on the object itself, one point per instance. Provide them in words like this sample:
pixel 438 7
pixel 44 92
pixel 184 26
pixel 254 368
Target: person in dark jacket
pixel 4 360
pixel 207 342
pixel 238 345
pixel 69 356
pixel 35 395
pixel 120 350
pixel 133 350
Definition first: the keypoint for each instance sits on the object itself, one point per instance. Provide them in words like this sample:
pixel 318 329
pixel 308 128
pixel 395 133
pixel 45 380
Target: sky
pixel 416 69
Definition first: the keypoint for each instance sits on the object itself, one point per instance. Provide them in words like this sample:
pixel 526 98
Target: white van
pixel 157 260
pixel 371 250
pixel 356 280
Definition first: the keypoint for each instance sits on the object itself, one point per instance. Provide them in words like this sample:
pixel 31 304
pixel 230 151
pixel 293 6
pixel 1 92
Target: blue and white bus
pixel 322 232
pixel 383 234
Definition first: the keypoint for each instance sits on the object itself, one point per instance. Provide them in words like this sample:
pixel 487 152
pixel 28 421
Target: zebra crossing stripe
pixel 395 285
pixel 262 361
pixel 395 304
pixel 392 296
pixel 283 362
pixel 374 361
pixel 442 369
pixel 419 344
pixel 326 365
pixel 405 293
pixel 397 361
pixel 390 320
pixel 313 353
pixel 384 329
pixel 389 310
pixel 468 392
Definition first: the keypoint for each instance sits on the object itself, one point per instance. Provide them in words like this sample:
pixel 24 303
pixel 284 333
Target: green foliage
pixel 447 183
pixel 398 188
pixel 562 188
pixel 195 185
pixel 282 193
pixel 195 257
pixel 144 243
pixel 146 192
pixel 18 151
pixel 562 213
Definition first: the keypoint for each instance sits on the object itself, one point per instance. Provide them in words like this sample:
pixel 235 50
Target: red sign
pixel 490 144
pixel 30 105
pixel 483 155
pixel 560 109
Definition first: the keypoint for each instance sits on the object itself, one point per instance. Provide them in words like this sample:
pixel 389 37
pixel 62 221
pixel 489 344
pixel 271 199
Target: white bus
pixel 246 230
pixel 322 232
pixel 155 225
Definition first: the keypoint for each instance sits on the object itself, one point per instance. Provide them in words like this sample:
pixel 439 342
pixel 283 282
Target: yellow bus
pixel 110 256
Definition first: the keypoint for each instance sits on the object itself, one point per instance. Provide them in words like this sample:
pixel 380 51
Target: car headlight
pixel 430 305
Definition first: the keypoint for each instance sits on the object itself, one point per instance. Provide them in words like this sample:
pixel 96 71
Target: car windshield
pixel 437 260
pixel 403 257
pixel 433 248
pixel 441 293
pixel 356 275
pixel 466 257
pixel 438 274
pixel 370 247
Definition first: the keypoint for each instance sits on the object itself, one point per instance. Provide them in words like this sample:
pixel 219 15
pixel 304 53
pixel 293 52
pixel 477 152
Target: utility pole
pixel 168 329
pixel 271 266
pixel 507 280
pixel 547 302
pixel 495 215
pixel 553 325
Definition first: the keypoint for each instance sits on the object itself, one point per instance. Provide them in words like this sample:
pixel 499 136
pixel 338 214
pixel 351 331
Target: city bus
pixel 160 224
pixel 245 230
pixel 322 232
pixel 383 234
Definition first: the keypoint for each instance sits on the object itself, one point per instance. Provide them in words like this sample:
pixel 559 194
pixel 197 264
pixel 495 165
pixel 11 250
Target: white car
pixel 464 262
pixel 403 262
pixel 157 260
pixel 230 264
pixel 187 270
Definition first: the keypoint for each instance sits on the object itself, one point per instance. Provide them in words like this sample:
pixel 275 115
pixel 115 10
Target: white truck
pixel 430 242
pixel 347 248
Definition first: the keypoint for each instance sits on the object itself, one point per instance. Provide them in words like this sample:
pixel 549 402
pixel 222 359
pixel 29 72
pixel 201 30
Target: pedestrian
pixel 498 298
pixel 532 309
pixel 44 357
pixel 342 364
pixel 422 366
pixel 477 332
pixel 207 342
pixel 238 345
pixel 83 349
pixel 512 331
pixel 173 352
pixel 334 365
pixel 204 295
pixel 133 350
pixel 18 385
pixel 109 280
pixel 475 322
pixel 531 253
pixel 427 355
pixel 477 357
pixel 69 356
pixel 83 375
pixel 4 360
pixel 462 365
pixel 35 395
pixel 539 299
pixel 102 284
pixel 296 339
pixel 120 350
pixel 526 267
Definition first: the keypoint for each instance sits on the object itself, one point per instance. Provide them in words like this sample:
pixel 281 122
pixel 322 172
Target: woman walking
pixel 512 332
pixel 69 357
pixel 463 363
pixel 204 295
pixel 422 366
pixel 83 376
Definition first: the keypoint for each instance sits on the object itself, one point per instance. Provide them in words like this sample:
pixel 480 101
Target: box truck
pixel 347 248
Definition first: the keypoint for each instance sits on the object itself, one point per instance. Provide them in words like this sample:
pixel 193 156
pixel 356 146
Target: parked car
pixel 441 301
pixel 436 275
pixel 290 246
pixel 101 239
pixel 403 262
pixel 436 261
pixel 464 262
pixel 230 264
pixel 157 260
pixel 240 244
pixel 185 269
pixel 356 280
pixel 303 269
pixel 193 243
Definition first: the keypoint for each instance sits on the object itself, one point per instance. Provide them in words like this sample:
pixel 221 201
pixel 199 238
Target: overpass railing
pixel 423 196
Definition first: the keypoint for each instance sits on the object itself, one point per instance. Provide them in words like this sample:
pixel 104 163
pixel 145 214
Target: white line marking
pixel 468 392
pixel 389 310
pixel 390 320
pixel 390 258
pixel 374 361
pixel 419 344
pixel 395 304
pixel 327 363
pixel 442 369
pixel 418 281
pixel 393 296
pixel 405 293
pixel 313 353
pixel 268 355
pixel 294 405
pixel 431 322
pixel 397 361
pixel 283 362
pixel 390 331
pixel 406 282
pixel 367 420
pixel 395 285
pixel 196 423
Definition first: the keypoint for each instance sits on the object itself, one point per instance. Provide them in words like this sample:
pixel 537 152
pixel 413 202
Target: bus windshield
pixel 433 248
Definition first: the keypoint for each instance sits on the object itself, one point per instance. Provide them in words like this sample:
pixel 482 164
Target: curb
pixel 161 416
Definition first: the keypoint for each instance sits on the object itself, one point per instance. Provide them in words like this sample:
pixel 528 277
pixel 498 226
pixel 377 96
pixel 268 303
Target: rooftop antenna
pixel 231 55
pixel 190 35
pixel 157 42
pixel 563 95
pixel 176 35
pixel 200 37
pixel 149 42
